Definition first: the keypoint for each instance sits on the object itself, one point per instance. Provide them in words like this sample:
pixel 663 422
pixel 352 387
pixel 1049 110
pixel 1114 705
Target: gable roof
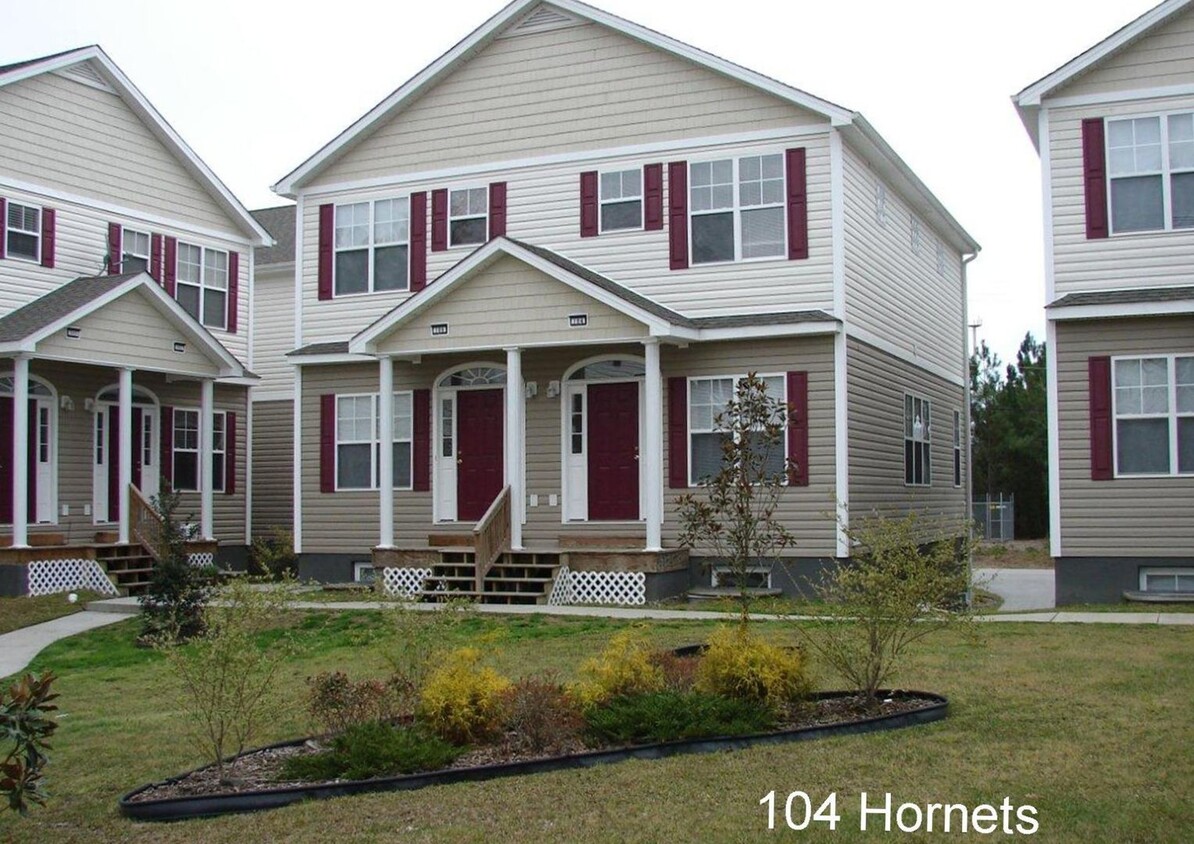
pixel 279 222
pixel 163 131
pixel 1028 101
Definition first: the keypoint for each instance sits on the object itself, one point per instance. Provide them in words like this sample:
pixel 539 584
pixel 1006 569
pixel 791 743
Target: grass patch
pixel 26 611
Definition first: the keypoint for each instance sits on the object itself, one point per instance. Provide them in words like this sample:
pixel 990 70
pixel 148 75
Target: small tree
pixel 172 605
pixel 273 556
pixel 734 515
pixel 25 728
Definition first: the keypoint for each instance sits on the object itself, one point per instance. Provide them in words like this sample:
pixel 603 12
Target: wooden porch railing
pixel 491 536
pixel 144 522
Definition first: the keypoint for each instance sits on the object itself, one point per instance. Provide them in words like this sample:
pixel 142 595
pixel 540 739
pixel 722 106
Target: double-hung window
pixel 918 468
pixel 202 284
pixel 358 441
pixel 1154 415
pixel 737 209
pixel 707 400
pixel 1150 165
pixel 957 448
pixel 186 477
pixel 373 246
pixel 468 216
pixel 134 252
pixel 23 238
pixel 622 200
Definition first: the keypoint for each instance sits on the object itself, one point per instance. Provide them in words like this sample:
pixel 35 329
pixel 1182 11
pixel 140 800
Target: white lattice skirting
pixel 47 577
pixel 405 583
pixel 619 588
pixel 205 558
pixel 561 590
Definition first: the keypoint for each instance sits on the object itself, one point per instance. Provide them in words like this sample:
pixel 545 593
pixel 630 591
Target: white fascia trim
pixel 248 439
pixel 323 360
pixel 132 214
pixel 1068 312
pixel 837 215
pixel 1054 437
pixel 748 332
pixel 249 332
pixel 841 444
pixel 240 381
pixel 904 355
pixel 596 157
pixel 298 273
pixel 1047 202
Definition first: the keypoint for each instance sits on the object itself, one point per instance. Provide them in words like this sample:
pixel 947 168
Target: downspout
pixel 969 477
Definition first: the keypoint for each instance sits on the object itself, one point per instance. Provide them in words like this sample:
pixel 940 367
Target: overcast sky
pixel 257 87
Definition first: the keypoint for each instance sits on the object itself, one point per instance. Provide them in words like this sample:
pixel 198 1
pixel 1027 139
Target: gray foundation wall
pixel 1103 580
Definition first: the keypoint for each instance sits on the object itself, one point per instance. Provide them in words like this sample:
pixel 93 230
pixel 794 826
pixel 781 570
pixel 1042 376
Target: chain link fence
pixel 995 517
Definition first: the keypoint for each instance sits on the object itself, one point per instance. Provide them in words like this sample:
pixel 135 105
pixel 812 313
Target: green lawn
pixel 16 613
pixel 1088 723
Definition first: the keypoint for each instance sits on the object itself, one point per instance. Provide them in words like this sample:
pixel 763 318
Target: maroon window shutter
pixel 327 245
pixel 677 432
pixel 797 205
pixel 49 228
pixel 421 459
pixel 327 442
pixel 497 210
pixel 798 428
pixel 166 446
pixel 233 292
pixel 677 211
pixel 115 248
pixel 171 266
pixel 4 237
pixel 653 197
pixel 1102 467
pixel 439 220
pixel 155 257
pixel 1094 176
pixel 229 453
pixel 588 204
pixel 418 241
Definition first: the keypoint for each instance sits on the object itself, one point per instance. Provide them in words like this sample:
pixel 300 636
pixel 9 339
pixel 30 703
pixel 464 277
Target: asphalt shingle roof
pixel 1125 297
pixel 279 222
pixel 57 304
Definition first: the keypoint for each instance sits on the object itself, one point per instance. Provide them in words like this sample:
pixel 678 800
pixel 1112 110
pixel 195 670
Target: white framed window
pixel 135 251
pixel 622 200
pixel 372 246
pixel 957 448
pixel 358 441
pixel 707 399
pixel 915 235
pixel 757 577
pixel 23 232
pixel 201 278
pixel 918 467
pixel 1157 579
pixel 363 572
pixel 881 215
pixel 737 209
pixel 941 265
pixel 468 216
pixel 1153 403
pixel 1150 169
pixel 185 457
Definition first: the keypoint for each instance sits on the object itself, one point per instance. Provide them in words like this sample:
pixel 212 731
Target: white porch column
pixel 125 468
pixel 207 391
pixel 385 458
pixel 20 452
pixel 652 451
pixel 515 453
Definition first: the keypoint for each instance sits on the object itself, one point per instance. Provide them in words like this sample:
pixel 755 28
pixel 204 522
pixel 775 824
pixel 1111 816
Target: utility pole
pixel 974 327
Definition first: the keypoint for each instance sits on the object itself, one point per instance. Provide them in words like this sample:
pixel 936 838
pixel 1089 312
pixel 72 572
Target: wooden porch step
pixel 453 541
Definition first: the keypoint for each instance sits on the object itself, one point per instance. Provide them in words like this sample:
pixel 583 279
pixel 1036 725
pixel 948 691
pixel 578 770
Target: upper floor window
pixel 23 238
pixel 622 200
pixel 1154 415
pixel 707 400
pixel 918 468
pixel 202 284
pixel 737 209
pixel 372 246
pixel 957 448
pixel 1150 165
pixel 468 216
pixel 915 235
pixel 134 252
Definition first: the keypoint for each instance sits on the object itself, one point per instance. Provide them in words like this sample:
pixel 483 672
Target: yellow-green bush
pixel 740 665
pixel 625 667
pixel 462 699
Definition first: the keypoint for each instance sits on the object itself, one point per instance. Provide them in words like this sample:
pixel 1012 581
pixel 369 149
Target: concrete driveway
pixel 1021 589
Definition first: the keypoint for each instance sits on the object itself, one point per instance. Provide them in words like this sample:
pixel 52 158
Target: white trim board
pixel 1138 309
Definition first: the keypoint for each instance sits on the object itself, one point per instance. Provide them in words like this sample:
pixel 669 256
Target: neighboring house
pixel 540 264
pixel 125 279
pixel 1115 131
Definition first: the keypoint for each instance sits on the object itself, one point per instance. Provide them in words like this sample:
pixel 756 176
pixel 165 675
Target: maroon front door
pixel 479 441
pixel 7 459
pixel 114 496
pixel 613 451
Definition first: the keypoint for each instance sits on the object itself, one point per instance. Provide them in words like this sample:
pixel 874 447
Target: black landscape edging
pixel 181 808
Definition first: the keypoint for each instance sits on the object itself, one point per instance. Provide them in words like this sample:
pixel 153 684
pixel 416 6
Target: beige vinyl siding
pixel 1120 261
pixel 76 441
pixel 543 208
pixel 877 383
pixel 893 290
pixel 580 88
pixel 273 466
pixel 273 331
pixel 1127 517
pixel 1163 57
pixel 510 303
pixel 76 138
pixel 346 522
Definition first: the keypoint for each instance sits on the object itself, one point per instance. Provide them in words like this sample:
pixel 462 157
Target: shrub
pixel 336 703
pixel 540 716
pixel 273 556
pixel 670 716
pixel 172 605
pixel 417 640
pixel 462 699
pixel 623 668
pixel 25 727
pixel 679 672
pixel 373 750
pixel 741 666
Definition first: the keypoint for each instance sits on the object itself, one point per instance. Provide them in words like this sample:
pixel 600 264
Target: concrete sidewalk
pixel 18 648
pixel 1021 589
